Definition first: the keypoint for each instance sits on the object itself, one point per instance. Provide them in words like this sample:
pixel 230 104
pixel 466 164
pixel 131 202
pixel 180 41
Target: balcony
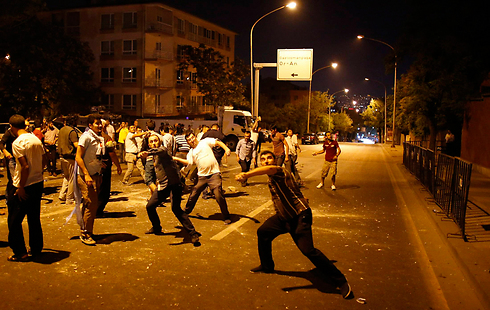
pixel 159 55
pixel 158 83
pixel 160 27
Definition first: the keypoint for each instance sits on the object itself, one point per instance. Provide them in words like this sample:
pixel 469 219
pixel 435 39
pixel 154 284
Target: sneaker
pixel 87 239
pixel 227 222
pixel 153 231
pixel 319 185
pixel 333 187
pixel 195 238
pixel 261 269
pixel 346 291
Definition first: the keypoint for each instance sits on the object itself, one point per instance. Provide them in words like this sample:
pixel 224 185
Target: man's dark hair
pixel 93 117
pixel 37 123
pixel 151 125
pixel 248 131
pixel 267 152
pixel 71 120
pixel 188 134
pixel 17 121
pixel 215 126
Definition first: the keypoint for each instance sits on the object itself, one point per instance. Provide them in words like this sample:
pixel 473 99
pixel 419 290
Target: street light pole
pixel 368 79
pixel 291 5
pixel 394 90
pixel 333 65
pixel 345 90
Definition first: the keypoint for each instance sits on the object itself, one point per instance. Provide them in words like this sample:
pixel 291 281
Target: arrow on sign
pixel 294 74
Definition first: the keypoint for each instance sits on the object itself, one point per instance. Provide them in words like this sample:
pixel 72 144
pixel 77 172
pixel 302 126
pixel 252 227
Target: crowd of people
pixel 170 160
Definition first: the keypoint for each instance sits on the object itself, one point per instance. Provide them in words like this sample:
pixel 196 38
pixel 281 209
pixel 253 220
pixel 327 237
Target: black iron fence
pixel 448 182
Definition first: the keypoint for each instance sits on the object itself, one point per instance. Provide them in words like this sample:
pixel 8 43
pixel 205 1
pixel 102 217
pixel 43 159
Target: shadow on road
pixel 235 194
pixel 118 199
pixel 50 256
pixel 219 217
pixel 314 276
pixel 48 190
pixel 186 238
pixel 110 238
pixel 4 244
pixel 117 214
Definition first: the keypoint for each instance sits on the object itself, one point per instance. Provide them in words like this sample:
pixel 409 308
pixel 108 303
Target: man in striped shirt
pixel 293 216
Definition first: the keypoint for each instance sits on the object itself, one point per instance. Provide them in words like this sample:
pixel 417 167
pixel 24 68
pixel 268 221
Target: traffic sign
pixel 294 64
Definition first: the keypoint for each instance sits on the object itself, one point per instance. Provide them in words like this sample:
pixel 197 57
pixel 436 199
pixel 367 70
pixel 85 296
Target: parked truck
pixel 233 124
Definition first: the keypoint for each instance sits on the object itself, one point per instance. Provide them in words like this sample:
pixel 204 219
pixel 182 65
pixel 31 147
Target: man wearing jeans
pixel 131 154
pixel 89 159
pixel 246 153
pixel 208 172
pixel 25 195
pixel 67 148
pixel 293 216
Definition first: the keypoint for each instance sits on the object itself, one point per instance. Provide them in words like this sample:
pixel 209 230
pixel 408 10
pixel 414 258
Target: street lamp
pixel 333 65
pixel 367 79
pixel 291 5
pixel 345 90
pixel 394 90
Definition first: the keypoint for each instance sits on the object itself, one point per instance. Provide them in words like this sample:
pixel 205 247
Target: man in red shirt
pixel 279 147
pixel 332 152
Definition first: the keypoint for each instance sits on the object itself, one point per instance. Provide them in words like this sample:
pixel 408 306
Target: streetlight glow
pixel 394 84
pixel 332 65
pixel 291 5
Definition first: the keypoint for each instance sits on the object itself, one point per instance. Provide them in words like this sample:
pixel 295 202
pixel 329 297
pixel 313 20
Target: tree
pixel 219 82
pixel 374 115
pixel 343 123
pixel 47 73
pixel 451 62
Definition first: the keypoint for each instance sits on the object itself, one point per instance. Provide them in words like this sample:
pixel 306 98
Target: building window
pixel 108 101
pixel 220 39
pixel 129 102
pixel 158 104
pixel 107 48
pixel 227 42
pixel 130 47
pixel 180 77
pixel 107 21
pixel 180 26
pixel 179 103
pixel 107 75
pixel 158 47
pixel 130 20
pixel 73 23
pixel 129 75
pixel 193 80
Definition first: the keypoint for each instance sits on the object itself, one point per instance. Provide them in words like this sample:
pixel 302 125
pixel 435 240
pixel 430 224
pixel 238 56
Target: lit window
pixel 129 75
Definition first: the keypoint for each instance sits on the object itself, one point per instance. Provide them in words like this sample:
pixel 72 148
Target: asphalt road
pixel 364 226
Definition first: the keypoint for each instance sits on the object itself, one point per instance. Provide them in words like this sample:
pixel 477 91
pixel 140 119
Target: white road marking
pixel 243 220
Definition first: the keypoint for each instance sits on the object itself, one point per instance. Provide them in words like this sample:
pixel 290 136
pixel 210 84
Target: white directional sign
pixel 294 64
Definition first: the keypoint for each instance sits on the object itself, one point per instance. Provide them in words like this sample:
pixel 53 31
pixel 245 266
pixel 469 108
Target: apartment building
pixel 137 48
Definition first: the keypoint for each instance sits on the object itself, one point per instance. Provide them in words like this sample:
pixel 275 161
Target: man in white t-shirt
pixel 293 146
pixel 25 195
pixel 90 149
pixel 132 151
pixel 201 154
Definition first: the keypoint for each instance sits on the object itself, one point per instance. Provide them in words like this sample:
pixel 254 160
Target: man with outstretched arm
pixel 208 172
pixel 167 184
pixel 293 216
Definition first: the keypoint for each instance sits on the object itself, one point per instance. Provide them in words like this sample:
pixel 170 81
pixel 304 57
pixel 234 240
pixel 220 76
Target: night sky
pixel 330 27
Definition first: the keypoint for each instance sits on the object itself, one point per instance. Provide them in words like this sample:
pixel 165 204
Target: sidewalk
pixel 473 256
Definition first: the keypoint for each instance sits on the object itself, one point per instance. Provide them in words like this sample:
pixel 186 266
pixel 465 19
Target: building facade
pixel 137 49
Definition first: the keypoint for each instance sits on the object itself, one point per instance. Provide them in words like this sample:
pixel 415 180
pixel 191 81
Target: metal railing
pixel 449 182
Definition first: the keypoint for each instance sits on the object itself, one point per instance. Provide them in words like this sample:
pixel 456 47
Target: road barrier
pixel 448 182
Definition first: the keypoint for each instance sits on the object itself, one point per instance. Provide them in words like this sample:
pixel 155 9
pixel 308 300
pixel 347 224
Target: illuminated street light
pixel 333 65
pixel 345 90
pixel 394 89
pixel 367 79
pixel 291 5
